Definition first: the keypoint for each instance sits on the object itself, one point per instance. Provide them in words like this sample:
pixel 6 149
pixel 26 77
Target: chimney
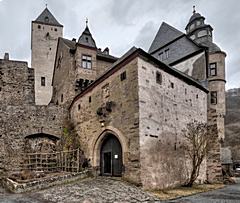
pixel 6 56
pixel 106 51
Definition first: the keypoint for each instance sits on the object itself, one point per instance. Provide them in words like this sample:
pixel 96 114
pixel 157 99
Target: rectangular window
pixel 166 53
pixel 123 76
pixel 62 98
pixel 159 78
pixel 160 56
pixel 86 62
pixel 172 85
pixel 213 98
pixel 213 69
pixel 43 81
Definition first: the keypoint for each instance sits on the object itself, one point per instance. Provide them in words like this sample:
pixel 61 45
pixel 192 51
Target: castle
pixel 128 112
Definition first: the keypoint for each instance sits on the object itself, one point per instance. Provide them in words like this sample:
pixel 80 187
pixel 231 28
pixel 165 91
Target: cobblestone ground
pixel 96 190
pixel 103 190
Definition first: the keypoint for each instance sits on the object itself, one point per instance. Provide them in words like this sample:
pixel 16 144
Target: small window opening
pixel 185 90
pixel 55 29
pixel 46 19
pixel 172 85
pixel 197 96
pixel 43 81
pixel 61 97
pixel 90 99
pixel 39 26
pixel 79 107
pixel 123 76
pixel 166 53
pixel 160 56
pixel 213 98
pixel 159 78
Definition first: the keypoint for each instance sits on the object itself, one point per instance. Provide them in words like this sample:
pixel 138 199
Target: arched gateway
pixel 111 156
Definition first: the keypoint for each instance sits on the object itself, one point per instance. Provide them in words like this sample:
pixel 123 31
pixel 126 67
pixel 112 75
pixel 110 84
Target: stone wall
pixel 16 83
pixel 165 110
pixel 214 167
pixel 70 70
pixel 19 122
pixel 122 121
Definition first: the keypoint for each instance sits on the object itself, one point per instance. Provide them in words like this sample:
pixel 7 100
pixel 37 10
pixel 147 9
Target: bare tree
pixel 198 136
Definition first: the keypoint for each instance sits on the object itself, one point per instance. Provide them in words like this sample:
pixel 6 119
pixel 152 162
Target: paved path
pixel 228 194
pixel 102 190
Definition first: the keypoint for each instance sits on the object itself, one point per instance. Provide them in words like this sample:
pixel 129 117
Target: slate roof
pixel 165 34
pixel 87 39
pixel 47 17
pixel 106 57
pixel 195 16
pixel 71 44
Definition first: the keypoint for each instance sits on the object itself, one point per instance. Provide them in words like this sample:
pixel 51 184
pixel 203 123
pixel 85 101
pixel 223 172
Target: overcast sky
pixel 121 24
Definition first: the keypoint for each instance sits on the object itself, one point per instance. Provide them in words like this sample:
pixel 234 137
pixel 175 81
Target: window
pixel 159 78
pixel 160 56
pixel 61 97
pixel 123 76
pixel 46 19
pixel 90 99
pixel 39 26
pixel 213 98
pixel 172 85
pixel 213 69
pixel 79 107
pixel 55 29
pixel 86 61
pixel 166 53
pixel 202 33
pixel 43 81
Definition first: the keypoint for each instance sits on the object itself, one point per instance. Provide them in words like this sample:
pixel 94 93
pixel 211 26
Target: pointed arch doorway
pixel 111 156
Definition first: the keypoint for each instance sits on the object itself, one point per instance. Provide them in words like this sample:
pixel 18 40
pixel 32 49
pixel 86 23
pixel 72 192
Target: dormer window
pixel 160 56
pixel 86 61
pixel 166 53
pixel 46 19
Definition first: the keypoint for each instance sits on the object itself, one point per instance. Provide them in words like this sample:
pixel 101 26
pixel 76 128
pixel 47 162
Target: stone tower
pixel 201 33
pixel 45 33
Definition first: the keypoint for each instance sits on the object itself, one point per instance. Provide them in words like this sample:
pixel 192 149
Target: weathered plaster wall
pixel 122 121
pixel 194 66
pixel 44 45
pixel 164 111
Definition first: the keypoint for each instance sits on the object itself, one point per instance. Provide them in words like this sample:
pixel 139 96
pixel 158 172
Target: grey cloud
pixel 120 24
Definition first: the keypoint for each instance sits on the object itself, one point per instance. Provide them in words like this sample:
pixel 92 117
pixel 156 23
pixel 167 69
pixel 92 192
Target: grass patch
pixel 173 193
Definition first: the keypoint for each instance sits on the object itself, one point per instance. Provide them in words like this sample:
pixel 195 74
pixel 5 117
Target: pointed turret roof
pixel 86 38
pixel 46 17
pixel 165 34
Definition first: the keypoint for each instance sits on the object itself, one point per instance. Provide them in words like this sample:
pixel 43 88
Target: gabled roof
pixel 46 17
pixel 165 34
pixel 131 55
pixel 87 39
